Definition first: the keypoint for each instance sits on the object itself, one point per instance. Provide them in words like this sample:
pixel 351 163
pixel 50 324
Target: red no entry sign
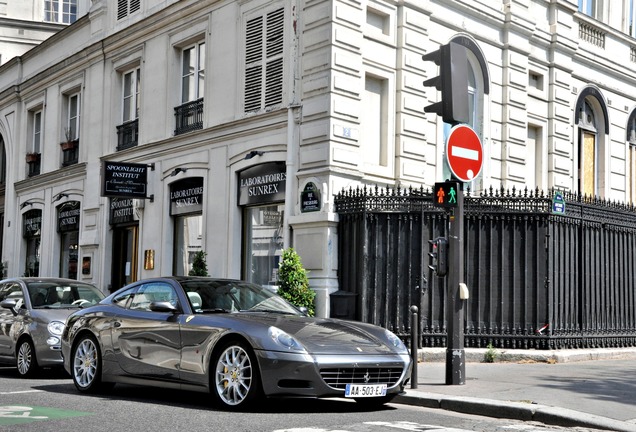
pixel 464 153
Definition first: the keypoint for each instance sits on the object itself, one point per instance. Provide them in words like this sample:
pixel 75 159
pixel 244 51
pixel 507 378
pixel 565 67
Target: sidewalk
pixel 588 388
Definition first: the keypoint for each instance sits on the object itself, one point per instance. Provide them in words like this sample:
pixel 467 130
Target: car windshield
pixel 54 295
pixel 209 296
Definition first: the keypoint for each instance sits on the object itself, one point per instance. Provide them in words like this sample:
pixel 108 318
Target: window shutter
pixel 122 9
pixel 264 46
pixel 135 5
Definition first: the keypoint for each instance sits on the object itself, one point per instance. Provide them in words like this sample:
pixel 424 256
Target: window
pixel 36 131
pixel 132 80
pixel 127 7
pixel 374 144
pixel 128 131
pixel 193 72
pixel 60 11
pixel 71 131
pixel 264 42
pixel 587 151
pixel 593 8
pixel 154 292
pixel 535 159
pixel 189 116
pixel 631 159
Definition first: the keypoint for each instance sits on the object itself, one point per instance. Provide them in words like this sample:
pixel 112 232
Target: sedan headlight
pixel 56 328
pixel 395 341
pixel 284 339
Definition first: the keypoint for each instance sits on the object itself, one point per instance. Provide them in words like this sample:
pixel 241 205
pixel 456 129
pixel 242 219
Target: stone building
pixel 148 130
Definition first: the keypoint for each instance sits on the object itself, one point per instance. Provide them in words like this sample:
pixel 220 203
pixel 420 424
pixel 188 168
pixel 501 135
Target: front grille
pixel 338 378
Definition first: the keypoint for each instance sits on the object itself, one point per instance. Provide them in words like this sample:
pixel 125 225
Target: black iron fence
pixel 536 279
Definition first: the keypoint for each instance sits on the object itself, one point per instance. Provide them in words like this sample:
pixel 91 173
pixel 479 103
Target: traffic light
pixel 439 256
pixel 452 82
pixel 445 194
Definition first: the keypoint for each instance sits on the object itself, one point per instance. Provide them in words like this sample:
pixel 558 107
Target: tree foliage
pixel 293 284
pixel 199 265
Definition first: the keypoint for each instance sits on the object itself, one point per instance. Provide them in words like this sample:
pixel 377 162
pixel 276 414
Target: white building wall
pixel 535 64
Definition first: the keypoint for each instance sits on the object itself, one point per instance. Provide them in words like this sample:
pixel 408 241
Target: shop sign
pixel 262 184
pixel 68 216
pixel 186 196
pixel 124 179
pixel 32 223
pixel 122 211
pixel 310 198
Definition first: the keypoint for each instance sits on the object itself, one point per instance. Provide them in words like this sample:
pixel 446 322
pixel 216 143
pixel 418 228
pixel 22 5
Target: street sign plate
pixel 464 153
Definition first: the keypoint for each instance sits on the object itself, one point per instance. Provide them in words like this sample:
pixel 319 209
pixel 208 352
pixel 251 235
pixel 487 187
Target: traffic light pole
pixel 455 355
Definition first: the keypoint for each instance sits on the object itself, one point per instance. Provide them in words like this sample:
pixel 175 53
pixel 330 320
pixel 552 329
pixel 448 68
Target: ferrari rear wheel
pixel 86 368
pixel 235 381
pixel 25 359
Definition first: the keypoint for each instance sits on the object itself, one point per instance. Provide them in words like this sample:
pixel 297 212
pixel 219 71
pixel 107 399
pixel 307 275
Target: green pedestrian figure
pixel 452 198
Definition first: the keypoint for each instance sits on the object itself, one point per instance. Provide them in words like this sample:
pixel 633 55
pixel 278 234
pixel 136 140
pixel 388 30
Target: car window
pixel 153 292
pixel 11 291
pixel 122 298
pixel 47 294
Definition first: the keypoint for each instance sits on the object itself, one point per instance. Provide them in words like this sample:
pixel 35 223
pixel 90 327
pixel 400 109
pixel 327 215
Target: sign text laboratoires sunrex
pixel 120 179
pixel 261 184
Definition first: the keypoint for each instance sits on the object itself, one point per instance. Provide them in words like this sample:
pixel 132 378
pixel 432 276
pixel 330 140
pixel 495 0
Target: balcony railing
pixel 189 117
pixel 33 162
pixel 128 134
pixel 592 34
pixel 70 152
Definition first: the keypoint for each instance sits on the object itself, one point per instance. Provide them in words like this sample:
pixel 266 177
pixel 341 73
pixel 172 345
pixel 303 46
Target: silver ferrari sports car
pixel 32 315
pixel 234 339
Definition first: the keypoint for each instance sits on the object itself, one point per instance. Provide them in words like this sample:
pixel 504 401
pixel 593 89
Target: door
pixel 147 343
pixel 125 261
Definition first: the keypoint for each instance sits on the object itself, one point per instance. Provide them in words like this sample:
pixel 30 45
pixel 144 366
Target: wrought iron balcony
pixel 33 162
pixel 128 134
pixel 189 117
pixel 70 152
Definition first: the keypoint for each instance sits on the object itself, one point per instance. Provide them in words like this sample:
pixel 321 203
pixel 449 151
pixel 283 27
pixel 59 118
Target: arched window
pixel 630 160
pixel 591 158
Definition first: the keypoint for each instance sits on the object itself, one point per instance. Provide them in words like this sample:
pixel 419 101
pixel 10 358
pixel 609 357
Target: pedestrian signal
pixel 445 194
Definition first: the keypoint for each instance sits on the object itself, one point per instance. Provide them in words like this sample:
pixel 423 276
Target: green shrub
pixel 199 266
pixel 491 354
pixel 293 284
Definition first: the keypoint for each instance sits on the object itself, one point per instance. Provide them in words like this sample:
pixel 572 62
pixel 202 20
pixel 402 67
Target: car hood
pixel 52 314
pixel 330 336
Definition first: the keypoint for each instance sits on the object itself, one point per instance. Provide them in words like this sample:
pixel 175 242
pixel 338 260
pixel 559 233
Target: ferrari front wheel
pixel 235 379
pixel 86 368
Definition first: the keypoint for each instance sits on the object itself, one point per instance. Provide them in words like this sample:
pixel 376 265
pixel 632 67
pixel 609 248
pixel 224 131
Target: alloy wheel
pixel 85 363
pixel 233 375
pixel 25 358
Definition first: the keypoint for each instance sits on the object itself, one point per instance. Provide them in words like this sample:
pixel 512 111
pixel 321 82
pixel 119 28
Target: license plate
pixel 365 390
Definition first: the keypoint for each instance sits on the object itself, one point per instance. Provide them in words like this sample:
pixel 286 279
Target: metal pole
pixel 414 346
pixel 455 356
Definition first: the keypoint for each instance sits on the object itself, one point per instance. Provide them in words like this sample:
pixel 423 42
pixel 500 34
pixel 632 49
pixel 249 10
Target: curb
pixel 512 410
pixel 478 355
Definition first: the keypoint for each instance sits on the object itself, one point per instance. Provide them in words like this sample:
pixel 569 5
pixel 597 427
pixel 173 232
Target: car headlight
pixel 395 341
pixel 56 328
pixel 284 339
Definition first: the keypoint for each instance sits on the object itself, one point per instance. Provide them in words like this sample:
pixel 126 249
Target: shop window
pixel 32 232
pixel 68 218
pixel 186 208
pixel 263 234
pixel 264 43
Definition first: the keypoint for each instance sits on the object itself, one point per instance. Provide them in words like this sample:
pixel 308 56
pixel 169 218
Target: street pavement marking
pixel 15 414
pixel 21 392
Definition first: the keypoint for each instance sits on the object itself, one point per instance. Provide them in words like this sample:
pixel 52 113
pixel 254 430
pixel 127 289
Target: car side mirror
pixel 12 304
pixel 163 306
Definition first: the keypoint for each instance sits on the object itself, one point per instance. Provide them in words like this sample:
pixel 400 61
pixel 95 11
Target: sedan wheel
pixel 25 359
pixel 87 365
pixel 235 382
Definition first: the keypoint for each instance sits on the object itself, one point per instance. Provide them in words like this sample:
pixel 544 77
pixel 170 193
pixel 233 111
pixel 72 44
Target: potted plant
pixel 199 266
pixel 32 157
pixel 70 142
pixel 293 284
